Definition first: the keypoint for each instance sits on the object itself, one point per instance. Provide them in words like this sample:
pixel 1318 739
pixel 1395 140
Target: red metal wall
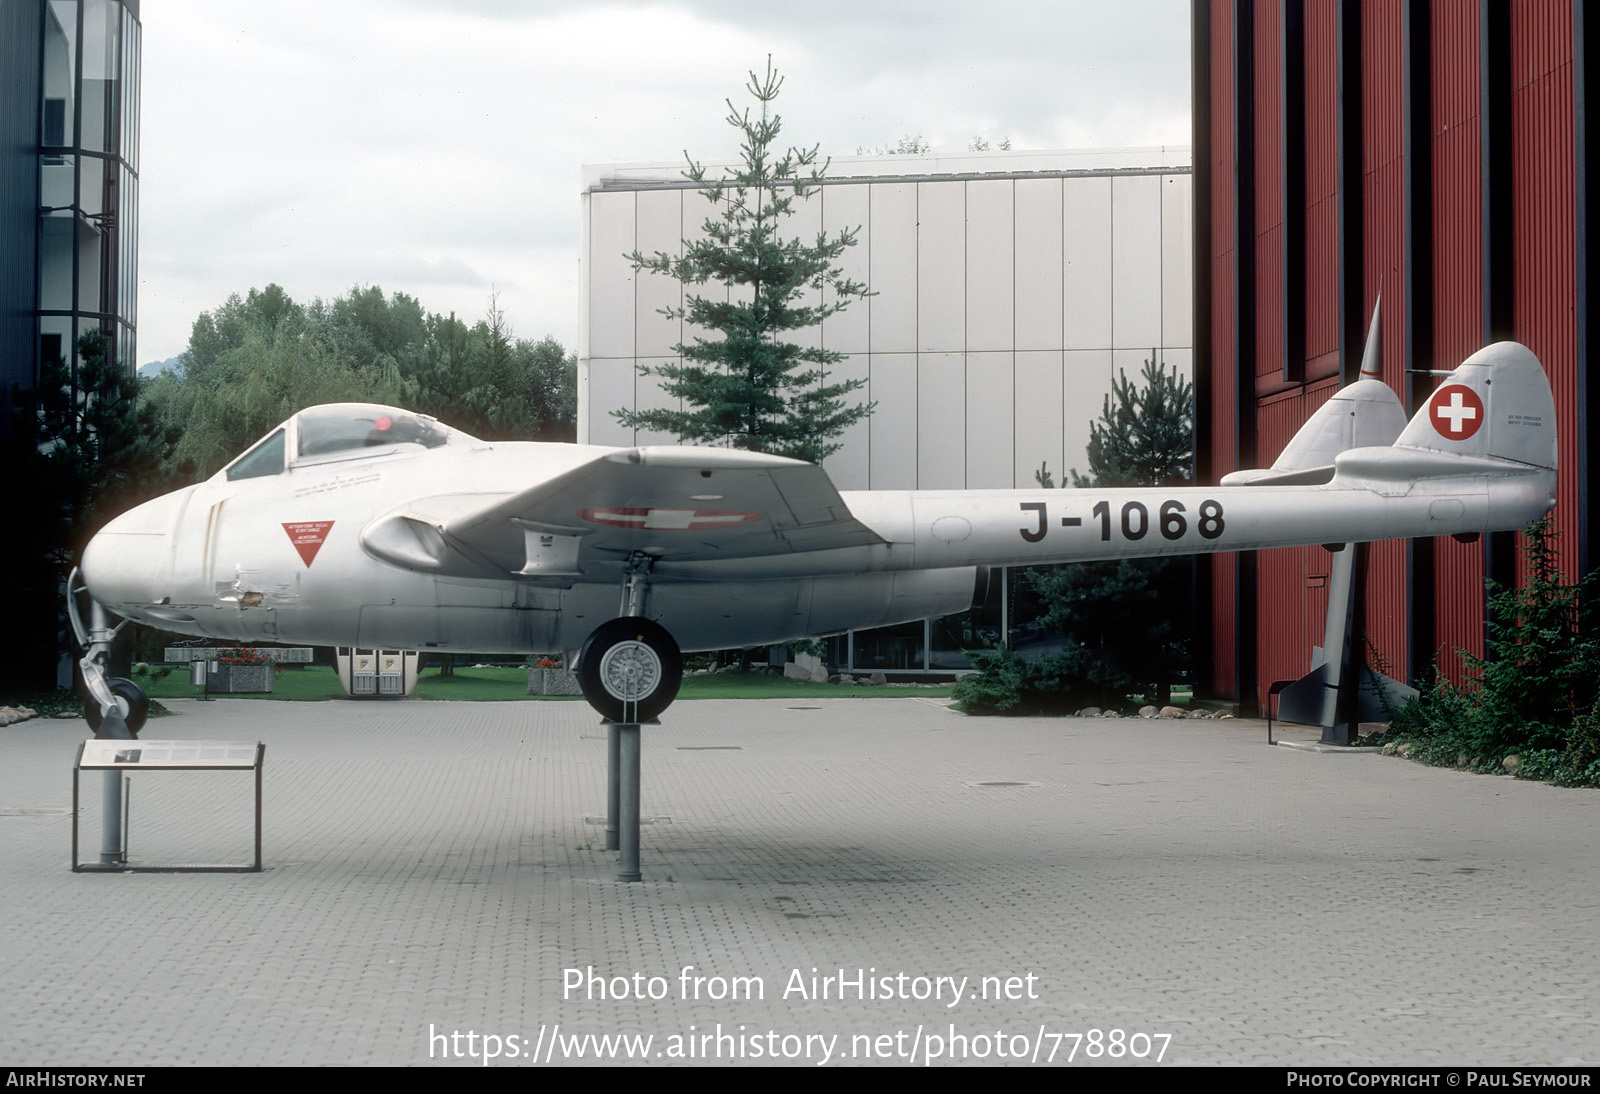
pixel 1267 110
pixel 1544 194
pixel 1383 270
pixel 1321 189
pixel 1456 136
pixel 1291 583
pixel 1223 421
pixel 1290 587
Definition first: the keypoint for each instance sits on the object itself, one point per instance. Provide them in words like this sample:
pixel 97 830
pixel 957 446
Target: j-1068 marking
pixel 1134 520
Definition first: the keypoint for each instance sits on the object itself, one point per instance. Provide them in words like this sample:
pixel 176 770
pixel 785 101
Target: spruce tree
pixel 1145 433
pixel 743 382
pixel 1128 619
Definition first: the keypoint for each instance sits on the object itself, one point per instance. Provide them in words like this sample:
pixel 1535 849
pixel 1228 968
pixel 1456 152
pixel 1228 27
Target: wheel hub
pixel 630 671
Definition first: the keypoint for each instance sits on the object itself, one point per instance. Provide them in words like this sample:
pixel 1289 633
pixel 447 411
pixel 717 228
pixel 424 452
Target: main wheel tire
pixel 630 669
pixel 134 702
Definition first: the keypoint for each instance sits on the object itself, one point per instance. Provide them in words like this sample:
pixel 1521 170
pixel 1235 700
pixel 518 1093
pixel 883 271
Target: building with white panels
pixel 1008 288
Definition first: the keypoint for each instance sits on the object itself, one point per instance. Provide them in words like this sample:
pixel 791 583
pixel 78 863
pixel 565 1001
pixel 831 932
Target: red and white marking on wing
pixel 667 520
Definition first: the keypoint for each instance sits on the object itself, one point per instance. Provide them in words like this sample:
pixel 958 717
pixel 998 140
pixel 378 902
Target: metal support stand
pixel 613 782
pixel 622 782
pixel 628 802
pixel 113 833
pixel 1340 668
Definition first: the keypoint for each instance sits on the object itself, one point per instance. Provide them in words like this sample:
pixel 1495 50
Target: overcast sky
pixel 435 147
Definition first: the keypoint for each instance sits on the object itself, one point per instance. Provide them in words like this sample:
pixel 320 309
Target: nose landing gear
pixel 116 708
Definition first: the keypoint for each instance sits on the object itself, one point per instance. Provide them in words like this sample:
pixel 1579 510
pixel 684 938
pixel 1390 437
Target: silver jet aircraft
pixel 361 525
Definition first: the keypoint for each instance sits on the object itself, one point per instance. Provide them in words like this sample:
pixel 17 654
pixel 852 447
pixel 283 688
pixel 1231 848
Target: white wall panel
pixel 846 207
pixel 649 396
pixel 941 421
pixel 941 266
pixel 1132 361
pixel 696 211
pixel 610 388
pixel 803 224
pixel 1086 262
pixel 848 466
pixel 991 265
pixel 1180 359
pixel 660 228
pixel 1003 307
pixel 1136 261
pixel 610 276
pixel 1038 415
pixel 894 268
pixel 990 410
pixel 892 462
pixel 1037 238
pixel 1086 376
pixel 1177 260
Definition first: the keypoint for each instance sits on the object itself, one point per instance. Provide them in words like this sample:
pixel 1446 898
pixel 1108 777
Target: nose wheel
pixel 630 669
pixel 131 703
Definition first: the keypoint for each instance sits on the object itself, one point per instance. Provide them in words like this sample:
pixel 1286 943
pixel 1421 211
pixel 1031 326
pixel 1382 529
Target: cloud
pixel 442 140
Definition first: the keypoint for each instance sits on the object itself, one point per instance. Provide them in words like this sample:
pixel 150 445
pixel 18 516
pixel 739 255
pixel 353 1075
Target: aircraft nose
pixel 128 559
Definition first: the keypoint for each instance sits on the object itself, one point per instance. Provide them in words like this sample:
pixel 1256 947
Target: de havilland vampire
pixel 360 525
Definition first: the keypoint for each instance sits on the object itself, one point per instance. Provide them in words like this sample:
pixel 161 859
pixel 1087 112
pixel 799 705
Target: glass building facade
pixel 88 177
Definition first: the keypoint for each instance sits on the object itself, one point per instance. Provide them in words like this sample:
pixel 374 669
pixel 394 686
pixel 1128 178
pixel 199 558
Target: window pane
pixel 890 649
pixel 55 261
pixel 102 22
pixel 60 35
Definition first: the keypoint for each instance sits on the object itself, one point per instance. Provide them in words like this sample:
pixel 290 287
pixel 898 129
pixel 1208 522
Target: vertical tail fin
pixel 1496 404
pixel 1365 414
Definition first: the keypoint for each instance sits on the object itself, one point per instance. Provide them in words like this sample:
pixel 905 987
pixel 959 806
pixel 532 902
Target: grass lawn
pixel 318 682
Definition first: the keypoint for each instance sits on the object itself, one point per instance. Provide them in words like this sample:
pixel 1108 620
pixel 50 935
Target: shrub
pixel 1534 695
pixel 1055 683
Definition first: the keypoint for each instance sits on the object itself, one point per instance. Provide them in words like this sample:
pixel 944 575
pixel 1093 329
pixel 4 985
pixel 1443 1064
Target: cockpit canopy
pixel 335 432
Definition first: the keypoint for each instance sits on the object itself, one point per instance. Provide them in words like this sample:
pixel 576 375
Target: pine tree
pixel 745 385
pixel 1145 434
pixel 1130 617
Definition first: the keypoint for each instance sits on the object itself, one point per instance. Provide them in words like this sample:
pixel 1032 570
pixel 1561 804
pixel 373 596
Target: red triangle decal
pixel 307 537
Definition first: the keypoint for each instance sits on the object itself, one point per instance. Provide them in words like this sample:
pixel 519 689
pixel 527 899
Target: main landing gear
pixel 630 669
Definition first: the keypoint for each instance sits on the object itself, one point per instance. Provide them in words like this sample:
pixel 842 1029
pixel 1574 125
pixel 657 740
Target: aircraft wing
pixel 673 503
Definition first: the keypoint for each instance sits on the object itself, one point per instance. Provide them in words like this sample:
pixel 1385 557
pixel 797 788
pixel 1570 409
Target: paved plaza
pixel 843 880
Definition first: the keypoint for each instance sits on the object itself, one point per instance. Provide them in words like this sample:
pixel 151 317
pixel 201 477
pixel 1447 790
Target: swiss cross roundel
pixel 1456 412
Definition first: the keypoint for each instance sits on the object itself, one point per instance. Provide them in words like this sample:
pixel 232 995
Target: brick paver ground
pixel 435 867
